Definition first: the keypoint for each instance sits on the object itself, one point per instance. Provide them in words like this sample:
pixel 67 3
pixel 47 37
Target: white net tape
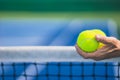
pixel 43 54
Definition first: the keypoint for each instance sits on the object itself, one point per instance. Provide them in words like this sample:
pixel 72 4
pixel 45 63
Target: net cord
pixel 44 54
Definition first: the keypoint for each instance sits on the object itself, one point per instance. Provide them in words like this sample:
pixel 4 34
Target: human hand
pixel 110 50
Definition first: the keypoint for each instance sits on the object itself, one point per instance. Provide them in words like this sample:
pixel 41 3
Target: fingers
pixel 84 54
pixel 113 50
pixel 98 55
pixel 106 40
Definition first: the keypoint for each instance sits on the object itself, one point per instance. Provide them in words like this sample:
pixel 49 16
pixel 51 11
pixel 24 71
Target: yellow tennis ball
pixel 87 41
pixel 97 31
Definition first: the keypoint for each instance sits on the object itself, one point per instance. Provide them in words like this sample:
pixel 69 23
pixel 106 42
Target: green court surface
pixel 64 15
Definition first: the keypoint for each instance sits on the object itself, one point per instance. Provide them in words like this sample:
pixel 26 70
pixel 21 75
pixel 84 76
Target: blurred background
pixel 54 22
pixel 67 9
pixel 32 20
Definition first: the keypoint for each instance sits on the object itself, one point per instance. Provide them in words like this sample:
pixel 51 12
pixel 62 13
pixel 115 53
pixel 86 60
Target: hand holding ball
pixel 87 41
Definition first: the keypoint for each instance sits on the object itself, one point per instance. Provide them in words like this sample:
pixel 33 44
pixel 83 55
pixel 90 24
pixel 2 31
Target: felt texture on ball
pixel 87 41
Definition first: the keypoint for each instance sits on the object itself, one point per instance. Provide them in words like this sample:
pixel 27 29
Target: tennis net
pixel 54 63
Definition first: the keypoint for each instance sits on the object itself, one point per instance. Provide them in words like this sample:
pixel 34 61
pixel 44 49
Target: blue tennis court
pixel 54 32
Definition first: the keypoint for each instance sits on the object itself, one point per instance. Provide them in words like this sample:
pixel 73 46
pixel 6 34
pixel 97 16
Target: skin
pixel 110 50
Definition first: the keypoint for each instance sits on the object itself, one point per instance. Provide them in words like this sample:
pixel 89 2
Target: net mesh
pixel 60 71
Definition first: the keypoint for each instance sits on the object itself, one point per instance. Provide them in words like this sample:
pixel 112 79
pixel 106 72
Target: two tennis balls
pixel 87 41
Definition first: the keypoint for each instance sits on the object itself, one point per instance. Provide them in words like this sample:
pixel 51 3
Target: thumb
pixel 106 40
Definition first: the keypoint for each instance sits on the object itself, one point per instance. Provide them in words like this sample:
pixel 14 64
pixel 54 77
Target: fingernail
pixel 98 37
